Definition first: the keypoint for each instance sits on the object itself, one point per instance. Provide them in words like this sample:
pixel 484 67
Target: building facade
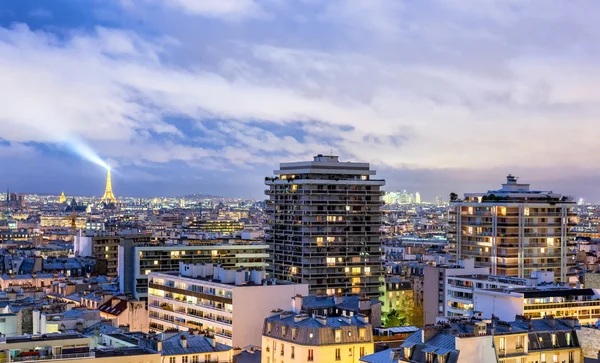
pixel 515 230
pixel 136 262
pixel 231 304
pixel 289 337
pixel 325 218
pixel 536 303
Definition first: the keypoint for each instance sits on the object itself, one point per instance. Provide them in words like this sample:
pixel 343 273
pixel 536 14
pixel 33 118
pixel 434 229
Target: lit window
pixel 147 272
pixel 330 239
pixel 155 262
pixel 330 261
pixel 355 270
pixel 338 336
pixel 355 281
pixel 542 250
pixel 550 241
pixel 368 271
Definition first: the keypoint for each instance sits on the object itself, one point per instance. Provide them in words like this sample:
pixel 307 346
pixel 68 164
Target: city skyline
pixel 183 97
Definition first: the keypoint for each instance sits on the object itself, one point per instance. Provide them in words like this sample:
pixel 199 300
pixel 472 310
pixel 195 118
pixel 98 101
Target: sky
pixel 189 96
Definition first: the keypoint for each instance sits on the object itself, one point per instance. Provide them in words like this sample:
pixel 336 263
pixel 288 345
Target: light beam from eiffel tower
pixel 108 197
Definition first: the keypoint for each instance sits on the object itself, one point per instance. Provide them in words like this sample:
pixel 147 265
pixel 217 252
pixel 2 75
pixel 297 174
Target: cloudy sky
pixel 184 96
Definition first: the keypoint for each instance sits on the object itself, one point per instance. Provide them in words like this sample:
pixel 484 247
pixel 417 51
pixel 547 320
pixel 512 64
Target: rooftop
pixel 126 351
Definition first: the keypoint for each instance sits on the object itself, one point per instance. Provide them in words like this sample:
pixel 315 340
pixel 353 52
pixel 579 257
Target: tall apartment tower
pixel 325 218
pixel 515 231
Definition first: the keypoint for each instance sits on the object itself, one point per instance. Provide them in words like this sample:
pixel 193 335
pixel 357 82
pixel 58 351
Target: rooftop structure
pixel 108 196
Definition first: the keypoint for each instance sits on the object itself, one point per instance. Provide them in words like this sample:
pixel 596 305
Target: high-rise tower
pixel 325 218
pixel 108 197
pixel 515 231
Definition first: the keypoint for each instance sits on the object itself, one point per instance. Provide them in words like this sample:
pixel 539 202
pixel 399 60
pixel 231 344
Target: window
pixel 362 333
pixel 207 357
pixel 293 352
pixel 571 357
pixel 294 333
pixel 171 359
pixel 519 342
pixel 338 354
pixel 362 352
pixel 441 358
pixel 555 358
pixel 282 350
pixel 338 336
pixel 269 327
pixel 184 359
pixel 543 356
pixel 429 357
pixel 554 340
pixel 568 336
pixel 407 353
pixel 310 355
pixel 194 359
pixel 330 261
pixel 284 330
pixel 502 344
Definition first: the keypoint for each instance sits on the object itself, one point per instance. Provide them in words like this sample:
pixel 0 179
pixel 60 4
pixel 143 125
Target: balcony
pixel 54 357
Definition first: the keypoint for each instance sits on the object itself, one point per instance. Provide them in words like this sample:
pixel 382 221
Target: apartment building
pixel 466 341
pixel 105 246
pixel 289 337
pixel 220 226
pixel 69 347
pixel 515 230
pixel 189 347
pixel 458 300
pixel 325 218
pixel 539 302
pixel 137 262
pixel 397 294
pixel 434 286
pixel 230 303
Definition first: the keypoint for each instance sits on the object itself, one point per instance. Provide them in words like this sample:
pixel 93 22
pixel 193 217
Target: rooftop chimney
pixel 183 341
pixel 297 303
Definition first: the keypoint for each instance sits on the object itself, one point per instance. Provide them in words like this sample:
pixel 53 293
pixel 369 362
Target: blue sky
pixel 184 96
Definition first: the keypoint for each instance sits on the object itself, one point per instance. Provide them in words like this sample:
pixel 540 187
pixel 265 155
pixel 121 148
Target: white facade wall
pixel 476 349
pixel 503 305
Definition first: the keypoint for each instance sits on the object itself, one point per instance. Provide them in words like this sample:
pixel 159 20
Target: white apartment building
pixel 230 303
pixel 515 230
pixel 458 300
pixel 325 218
pixel 137 262
pixel 538 302
pixel 434 286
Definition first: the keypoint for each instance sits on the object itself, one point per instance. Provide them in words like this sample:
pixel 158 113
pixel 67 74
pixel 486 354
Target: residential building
pixel 434 286
pixel 230 303
pixel 69 347
pixel 515 230
pixel 583 304
pixel 105 246
pixel 220 226
pixel 325 218
pixel 338 305
pixel 460 289
pixel 520 341
pixel 137 262
pixel 289 337
pixel 126 312
pixel 397 294
pixel 190 347
pixel 74 319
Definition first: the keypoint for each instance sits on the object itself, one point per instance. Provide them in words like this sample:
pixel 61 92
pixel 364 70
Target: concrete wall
pixel 589 340
pixel 475 349
pixel 252 304
pixel 430 294
pixel 504 306
pixel 9 324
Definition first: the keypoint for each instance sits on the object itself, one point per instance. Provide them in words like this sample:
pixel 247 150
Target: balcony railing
pixel 53 357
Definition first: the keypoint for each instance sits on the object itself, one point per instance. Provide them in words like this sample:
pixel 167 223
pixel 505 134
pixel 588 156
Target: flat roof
pixel 127 351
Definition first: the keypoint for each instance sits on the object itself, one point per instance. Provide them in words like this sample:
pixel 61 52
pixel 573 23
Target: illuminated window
pixel 470 230
pixel 319 240
pixel 330 261
pixel 338 336
pixel 526 211
pixel 294 187
pixel 347 207
pixel 147 272
pixel 356 290
pixel 106 248
pixel 330 239
pixel 368 271
pixel 362 333
pixel 331 218
pixel 355 270
pixel 542 250
pixel 550 241
pixel 347 269
pixel 364 177
pixel 155 262
pixel 294 270
pixel 214 253
pixel 355 281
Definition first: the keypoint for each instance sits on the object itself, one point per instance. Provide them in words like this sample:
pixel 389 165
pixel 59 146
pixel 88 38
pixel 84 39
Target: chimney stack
pixel 183 341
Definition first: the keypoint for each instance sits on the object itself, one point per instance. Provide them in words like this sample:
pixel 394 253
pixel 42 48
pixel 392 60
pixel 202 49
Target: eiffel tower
pixel 108 197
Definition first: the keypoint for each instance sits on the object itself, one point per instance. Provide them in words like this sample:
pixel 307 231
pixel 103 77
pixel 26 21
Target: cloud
pixel 408 85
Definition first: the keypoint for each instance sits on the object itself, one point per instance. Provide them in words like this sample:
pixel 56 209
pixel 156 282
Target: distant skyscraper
pixel 325 218
pixel 439 200
pixel 418 198
pixel 108 197
pixel 515 231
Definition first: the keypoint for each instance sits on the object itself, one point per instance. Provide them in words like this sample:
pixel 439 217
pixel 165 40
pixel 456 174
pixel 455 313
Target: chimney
pixel 297 303
pixel 338 299
pixel 183 341
pixel 321 319
pixel 364 304
pixel 159 345
pixel 240 277
pixel 211 341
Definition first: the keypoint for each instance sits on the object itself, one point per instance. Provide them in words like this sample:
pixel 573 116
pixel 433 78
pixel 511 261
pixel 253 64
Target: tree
pixel 453 197
pixel 394 318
